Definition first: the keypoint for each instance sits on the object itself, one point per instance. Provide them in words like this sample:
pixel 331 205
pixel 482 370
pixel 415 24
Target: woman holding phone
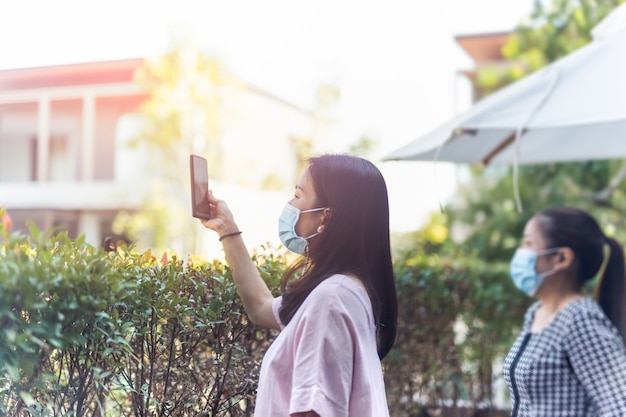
pixel 337 315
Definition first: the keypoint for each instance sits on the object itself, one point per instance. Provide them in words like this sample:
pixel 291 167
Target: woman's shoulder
pixel 340 284
pixel 339 288
pixel 583 308
pixel 584 315
pixel 584 323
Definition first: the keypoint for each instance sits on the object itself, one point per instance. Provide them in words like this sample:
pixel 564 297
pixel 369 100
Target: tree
pixel 325 108
pixel 182 116
pixel 546 35
pixel 364 146
pixel 484 215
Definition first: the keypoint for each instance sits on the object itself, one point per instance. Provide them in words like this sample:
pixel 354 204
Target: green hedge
pixel 455 318
pixel 86 332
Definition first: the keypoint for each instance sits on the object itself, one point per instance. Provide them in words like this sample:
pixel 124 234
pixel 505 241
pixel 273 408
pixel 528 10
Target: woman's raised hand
pixel 222 220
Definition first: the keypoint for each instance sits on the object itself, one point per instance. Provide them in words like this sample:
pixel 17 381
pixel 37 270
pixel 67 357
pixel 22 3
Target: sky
pixel 395 61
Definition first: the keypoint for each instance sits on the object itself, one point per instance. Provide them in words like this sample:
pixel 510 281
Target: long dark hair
pixel 577 230
pixel 355 240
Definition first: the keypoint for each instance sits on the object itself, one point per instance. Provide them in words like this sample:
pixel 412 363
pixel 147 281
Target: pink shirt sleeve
pixel 276 303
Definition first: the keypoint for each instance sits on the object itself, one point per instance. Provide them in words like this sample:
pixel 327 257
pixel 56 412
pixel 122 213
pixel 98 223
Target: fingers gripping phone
pixel 199 187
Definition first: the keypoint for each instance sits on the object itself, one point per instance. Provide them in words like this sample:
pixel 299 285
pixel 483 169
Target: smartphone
pixel 199 187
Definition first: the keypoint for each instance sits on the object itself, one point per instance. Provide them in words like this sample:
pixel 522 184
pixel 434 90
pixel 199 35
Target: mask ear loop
pixel 606 251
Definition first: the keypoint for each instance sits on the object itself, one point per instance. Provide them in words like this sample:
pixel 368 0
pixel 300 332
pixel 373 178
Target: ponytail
pixel 611 287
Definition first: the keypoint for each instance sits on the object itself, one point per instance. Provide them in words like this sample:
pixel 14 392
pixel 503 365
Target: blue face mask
pixel 523 269
pixel 287 229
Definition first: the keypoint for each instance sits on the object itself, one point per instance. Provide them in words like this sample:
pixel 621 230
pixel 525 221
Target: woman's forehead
pixel 304 181
pixel 533 229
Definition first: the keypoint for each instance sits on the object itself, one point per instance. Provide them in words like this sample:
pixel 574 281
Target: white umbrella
pixel 573 109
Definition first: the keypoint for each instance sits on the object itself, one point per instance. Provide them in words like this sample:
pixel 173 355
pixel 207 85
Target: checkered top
pixel 575 367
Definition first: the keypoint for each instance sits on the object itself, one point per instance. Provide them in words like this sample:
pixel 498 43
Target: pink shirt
pixel 325 359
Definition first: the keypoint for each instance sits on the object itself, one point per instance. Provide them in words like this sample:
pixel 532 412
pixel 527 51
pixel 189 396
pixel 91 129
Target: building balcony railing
pixel 90 195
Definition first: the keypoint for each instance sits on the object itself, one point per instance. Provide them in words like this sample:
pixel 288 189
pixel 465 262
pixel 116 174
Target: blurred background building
pixel 65 159
pixel 485 50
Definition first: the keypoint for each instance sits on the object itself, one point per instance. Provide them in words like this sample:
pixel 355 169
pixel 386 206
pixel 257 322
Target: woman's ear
pixel 564 258
pixel 325 216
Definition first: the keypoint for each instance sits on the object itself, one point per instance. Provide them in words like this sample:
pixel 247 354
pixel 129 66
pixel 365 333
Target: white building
pixel 64 161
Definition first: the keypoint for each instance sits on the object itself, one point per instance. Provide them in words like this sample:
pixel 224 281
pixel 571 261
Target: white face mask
pixel 287 229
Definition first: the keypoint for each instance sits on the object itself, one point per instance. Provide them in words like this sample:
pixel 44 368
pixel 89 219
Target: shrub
pixel 455 318
pixel 88 332
pixel 85 332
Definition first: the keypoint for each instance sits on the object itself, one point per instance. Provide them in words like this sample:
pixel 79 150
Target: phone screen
pixel 199 187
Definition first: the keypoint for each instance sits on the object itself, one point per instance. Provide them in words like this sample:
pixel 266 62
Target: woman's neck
pixel 555 303
pixel 557 291
pixel 551 305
